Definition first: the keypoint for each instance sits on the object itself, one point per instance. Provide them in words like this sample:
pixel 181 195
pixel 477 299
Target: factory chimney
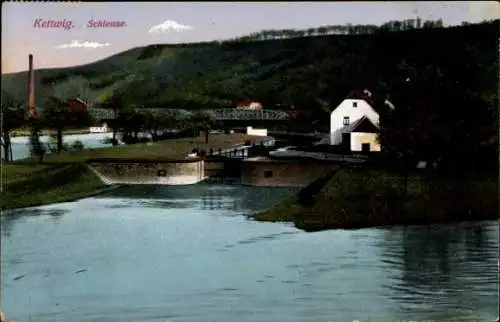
pixel 31 88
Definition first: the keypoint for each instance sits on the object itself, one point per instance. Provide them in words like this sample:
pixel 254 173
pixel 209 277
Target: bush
pixel 129 139
pixel 77 146
pixel 109 141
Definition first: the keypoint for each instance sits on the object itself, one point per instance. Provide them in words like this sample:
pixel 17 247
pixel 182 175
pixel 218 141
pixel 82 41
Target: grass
pixel 356 198
pixel 162 150
pixel 26 185
pixel 65 177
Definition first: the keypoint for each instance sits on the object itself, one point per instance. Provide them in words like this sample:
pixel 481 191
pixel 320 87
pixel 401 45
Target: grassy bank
pixel 356 198
pixel 167 149
pixel 30 184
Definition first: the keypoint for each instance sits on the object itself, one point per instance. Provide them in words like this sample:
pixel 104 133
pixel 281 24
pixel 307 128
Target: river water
pixel 20 147
pixel 189 253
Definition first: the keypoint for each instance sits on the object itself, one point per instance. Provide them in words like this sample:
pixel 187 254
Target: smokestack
pixel 31 88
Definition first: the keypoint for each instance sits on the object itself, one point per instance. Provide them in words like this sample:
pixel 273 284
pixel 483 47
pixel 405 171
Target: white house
pixel 354 123
pixel 257 132
pixel 98 128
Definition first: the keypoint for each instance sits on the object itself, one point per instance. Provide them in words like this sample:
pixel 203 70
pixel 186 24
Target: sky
pixel 25 31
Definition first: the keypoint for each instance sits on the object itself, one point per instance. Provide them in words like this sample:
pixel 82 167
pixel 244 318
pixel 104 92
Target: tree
pixel 116 103
pixel 432 122
pixel 300 33
pixel 55 116
pixel 322 30
pixel 36 146
pixel 130 122
pixel 311 31
pixel 156 124
pixel 204 122
pixel 397 25
pixel 13 116
pixel 398 139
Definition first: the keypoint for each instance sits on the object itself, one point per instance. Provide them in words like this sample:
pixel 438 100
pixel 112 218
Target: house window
pixel 354 104
pixel 162 173
pixel 346 120
pixel 268 174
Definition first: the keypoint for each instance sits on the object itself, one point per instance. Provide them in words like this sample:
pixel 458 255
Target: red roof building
pixel 293 114
pixel 249 105
pixel 77 105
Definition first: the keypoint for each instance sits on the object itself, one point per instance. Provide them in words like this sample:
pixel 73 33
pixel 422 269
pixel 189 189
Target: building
pixel 77 105
pixel 99 128
pixel 294 114
pixel 249 105
pixel 354 123
pixel 257 132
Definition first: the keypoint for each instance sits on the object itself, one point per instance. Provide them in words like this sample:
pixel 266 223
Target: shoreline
pixel 322 205
pixel 354 199
pixel 5 212
pixel 306 209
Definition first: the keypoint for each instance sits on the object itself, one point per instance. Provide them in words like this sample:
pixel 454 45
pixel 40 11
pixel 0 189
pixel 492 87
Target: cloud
pixel 85 44
pixel 169 25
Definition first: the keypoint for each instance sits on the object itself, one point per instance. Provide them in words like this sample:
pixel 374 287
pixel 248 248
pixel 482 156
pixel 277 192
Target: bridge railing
pixel 219 114
pixel 105 113
pixel 239 114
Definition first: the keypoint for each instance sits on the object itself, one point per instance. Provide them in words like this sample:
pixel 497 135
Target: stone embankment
pixel 178 172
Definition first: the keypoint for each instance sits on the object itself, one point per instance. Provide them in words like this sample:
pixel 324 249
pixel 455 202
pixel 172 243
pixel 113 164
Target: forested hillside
pixel 310 69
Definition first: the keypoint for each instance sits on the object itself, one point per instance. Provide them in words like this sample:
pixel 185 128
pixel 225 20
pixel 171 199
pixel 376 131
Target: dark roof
pixel 361 95
pixel 364 125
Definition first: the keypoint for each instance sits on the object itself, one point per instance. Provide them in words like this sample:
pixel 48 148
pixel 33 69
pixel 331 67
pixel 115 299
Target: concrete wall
pixel 358 138
pixel 283 173
pixel 213 168
pixel 161 173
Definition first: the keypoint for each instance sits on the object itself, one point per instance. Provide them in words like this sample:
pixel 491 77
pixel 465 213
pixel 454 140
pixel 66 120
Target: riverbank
pixel 358 198
pixel 65 176
pixel 29 184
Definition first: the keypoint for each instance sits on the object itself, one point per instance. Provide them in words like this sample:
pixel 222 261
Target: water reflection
pixel 9 218
pixel 244 199
pixel 6 225
pixel 432 270
pixel 204 196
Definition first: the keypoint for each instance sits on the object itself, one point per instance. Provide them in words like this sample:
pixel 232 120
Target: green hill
pixel 302 71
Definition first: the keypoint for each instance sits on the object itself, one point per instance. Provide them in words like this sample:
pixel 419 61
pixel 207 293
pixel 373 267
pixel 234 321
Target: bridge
pixel 222 114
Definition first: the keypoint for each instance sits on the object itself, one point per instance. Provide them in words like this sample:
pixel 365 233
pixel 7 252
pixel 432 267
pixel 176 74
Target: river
pixel 189 253
pixel 20 147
